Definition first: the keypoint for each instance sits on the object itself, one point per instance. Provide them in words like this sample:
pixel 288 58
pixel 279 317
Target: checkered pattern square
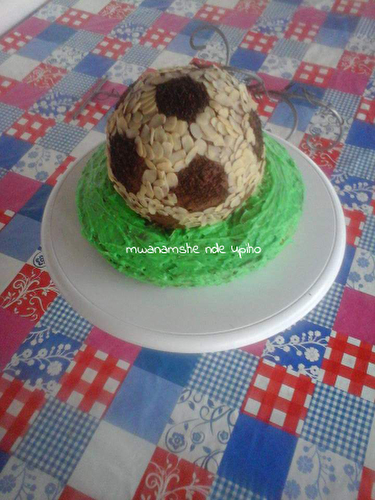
pixel 358 162
pixel 75 84
pixel 91 380
pixel 349 365
pixel 63 137
pixel 90 116
pixel 61 317
pixel 313 74
pixel 211 14
pixel 258 41
pixel 45 76
pixel 84 41
pixel 366 110
pixel 57 439
pixel 325 312
pixel 8 115
pixel 290 48
pixel 5 217
pixel 111 47
pixel 339 421
pixel 6 84
pixel 301 31
pixel 74 18
pixel 354 220
pixel 141 55
pixel 225 376
pixel 12 42
pixel 351 7
pixel 223 488
pixel 158 38
pixel 30 127
pixel 346 104
pixel 19 407
pixel 279 396
pixel 367 241
pixel 266 106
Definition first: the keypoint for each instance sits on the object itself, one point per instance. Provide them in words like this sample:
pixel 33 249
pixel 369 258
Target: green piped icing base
pixel 267 220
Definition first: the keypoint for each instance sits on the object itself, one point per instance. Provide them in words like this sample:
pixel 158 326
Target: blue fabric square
pixel 141 55
pixel 358 162
pixel 362 134
pixel 144 16
pixel 57 439
pixel 43 357
pixel 332 37
pixel 233 35
pixel 54 104
pixel 247 59
pixel 354 192
pixel 278 9
pixel 339 422
pixel 75 84
pixel 143 393
pixel 34 208
pixel 294 2
pixel 63 137
pixel 258 457
pixel 181 44
pixel 84 41
pixel 62 318
pixel 367 241
pixel 290 48
pixel 300 87
pixel 300 347
pixel 271 26
pixel 340 22
pixel 94 65
pixel 193 25
pixel 20 237
pixel 223 489
pixel 346 104
pixel 326 311
pixel 156 4
pixel 128 31
pixel 56 33
pixel 282 115
pixel 346 265
pixel 8 115
pixel 38 49
pixel 12 150
pixel 224 376
pixel 174 367
pixel 4 457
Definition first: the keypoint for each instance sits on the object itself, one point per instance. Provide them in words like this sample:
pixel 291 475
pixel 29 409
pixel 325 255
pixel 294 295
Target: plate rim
pixel 200 342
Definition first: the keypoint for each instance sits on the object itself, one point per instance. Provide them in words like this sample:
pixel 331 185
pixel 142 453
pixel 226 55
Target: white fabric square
pixel 111 385
pixel 75 398
pixel 101 355
pixel 105 470
pixel 93 6
pixel 353 341
pixel 168 58
pixel 318 54
pixel 89 375
pixel 348 360
pixel 368 393
pixel 124 365
pixel 97 409
pixel 15 407
pixel 277 417
pixel 252 406
pixel 226 4
pixel 18 67
pixel 371 369
pixel 9 269
pixel 261 382
pixel 286 392
pixel 342 383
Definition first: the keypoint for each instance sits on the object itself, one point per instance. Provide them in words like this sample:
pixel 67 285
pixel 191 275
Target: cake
pixel 186 165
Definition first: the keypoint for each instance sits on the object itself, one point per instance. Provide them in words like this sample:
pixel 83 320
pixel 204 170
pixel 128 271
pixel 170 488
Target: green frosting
pixel 267 220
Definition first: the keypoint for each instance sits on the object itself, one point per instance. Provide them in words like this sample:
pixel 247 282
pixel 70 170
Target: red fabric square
pixel 14 330
pixel 211 13
pixel 112 47
pixel 354 220
pixel 266 106
pixel 356 315
pixel 52 179
pixel 313 74
pixel 259 42
pixel 19 406
pixel 327 160
pixel 14 41
pixel 70 493
pixel 116 10
pixel 100 24
pixel 22 95
pixel 16 190
pixel 168 476
pixel 45 76
pixel 90 116
pixel 6 84
pixel 279 396
pixel 30 127
pixel 353 7
pixel 302 31
pixel 158 38
pixel 74 18
pixel 252 6
pixel 367 486
pixel 366 110
pixel 5 217
pixel 361 64
pixel 29 294
pixel 349 365
pixel 91 380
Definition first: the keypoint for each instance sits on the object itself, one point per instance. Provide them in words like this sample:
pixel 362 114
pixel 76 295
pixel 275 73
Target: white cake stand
pixel 205 319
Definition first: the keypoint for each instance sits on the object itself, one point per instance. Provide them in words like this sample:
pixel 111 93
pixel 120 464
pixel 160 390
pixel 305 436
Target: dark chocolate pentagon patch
pixel 127 166
pixel 256 125
pixel 202 184
pixel 182 97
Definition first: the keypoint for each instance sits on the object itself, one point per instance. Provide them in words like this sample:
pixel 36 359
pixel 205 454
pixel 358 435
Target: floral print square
pixel 65 57
pixel 39 163
pixel 185 8
pixel 19 480
pixel 318 473
pixel 324 125
pixel 42 358
pixel 362 272
pixel 354 192
pixel 301 348
pixel 282 67
pixel 124 73
pixel 199 429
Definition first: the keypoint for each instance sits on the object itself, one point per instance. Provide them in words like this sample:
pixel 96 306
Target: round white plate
pixel 202 319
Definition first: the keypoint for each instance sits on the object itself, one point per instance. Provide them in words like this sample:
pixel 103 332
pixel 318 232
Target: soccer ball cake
pixel 185 146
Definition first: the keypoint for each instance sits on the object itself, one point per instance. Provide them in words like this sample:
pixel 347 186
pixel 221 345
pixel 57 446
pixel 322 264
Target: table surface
pixel 86 416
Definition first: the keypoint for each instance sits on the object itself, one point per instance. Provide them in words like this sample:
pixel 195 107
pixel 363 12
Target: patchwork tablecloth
pixel 86 416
